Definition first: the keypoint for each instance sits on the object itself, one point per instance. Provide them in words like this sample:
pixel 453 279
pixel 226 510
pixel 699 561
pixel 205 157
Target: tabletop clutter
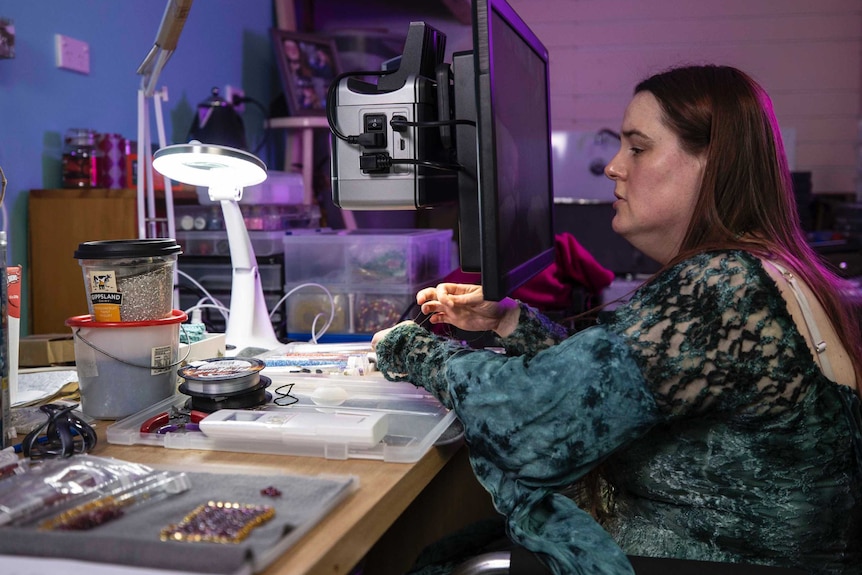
pixel 312 399
pixel 128 360
pixel 126 347
pixel 133 377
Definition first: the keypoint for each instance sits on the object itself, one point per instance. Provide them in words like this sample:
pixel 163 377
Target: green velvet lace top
pixel 721 437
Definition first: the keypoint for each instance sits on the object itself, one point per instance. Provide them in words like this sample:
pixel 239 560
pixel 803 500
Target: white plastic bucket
pixel 125 367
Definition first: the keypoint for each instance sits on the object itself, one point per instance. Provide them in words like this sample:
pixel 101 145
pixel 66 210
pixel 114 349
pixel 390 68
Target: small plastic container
pixel 415 419
pixel 215 243
pixel 367 258
pixel 129 280
pixel 125 367
pixel 359 309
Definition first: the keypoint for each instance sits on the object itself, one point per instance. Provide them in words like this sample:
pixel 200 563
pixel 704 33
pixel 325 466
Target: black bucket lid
pixel 140 248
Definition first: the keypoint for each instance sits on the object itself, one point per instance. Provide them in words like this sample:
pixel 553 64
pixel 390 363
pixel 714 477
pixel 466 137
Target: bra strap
pixel 813 331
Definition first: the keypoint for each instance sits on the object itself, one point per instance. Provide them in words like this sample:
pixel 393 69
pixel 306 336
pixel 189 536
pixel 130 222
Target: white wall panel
pixel 806 53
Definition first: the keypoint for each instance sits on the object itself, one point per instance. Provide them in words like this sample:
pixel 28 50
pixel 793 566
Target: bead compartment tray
pixel 415 419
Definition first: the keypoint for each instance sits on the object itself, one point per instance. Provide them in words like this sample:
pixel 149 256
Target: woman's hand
pixel 377 337
pixel 464 306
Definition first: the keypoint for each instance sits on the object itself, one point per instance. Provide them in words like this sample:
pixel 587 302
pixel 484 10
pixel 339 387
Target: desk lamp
pixel 225 171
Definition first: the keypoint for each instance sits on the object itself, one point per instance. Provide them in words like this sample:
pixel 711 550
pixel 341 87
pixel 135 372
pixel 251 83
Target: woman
pixel 722 401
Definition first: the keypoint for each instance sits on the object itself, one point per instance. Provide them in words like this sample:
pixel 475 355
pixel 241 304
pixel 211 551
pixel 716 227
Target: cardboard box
pixel 46 349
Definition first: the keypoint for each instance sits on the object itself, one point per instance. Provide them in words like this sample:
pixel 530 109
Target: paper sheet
pixel 40 384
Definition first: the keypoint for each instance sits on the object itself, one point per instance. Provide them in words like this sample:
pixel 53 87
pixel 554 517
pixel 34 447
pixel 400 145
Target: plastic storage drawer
pixel 219 276
pixel 206 243
pixel 366 258
pixel 357 311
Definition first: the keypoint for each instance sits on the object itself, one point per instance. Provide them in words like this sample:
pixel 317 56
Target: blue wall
pixel 223 42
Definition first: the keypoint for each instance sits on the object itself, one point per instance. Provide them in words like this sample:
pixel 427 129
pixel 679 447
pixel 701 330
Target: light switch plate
pixel 72 54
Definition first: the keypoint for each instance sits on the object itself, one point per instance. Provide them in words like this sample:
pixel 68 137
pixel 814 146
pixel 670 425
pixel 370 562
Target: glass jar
pixel 79 159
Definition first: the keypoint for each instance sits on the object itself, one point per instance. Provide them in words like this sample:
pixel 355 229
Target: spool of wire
pixel 224 383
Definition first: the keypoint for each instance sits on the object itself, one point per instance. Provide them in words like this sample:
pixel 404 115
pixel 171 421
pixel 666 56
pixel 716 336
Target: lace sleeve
pixel 579 400
pixel 411 353
pixel 713 325
pixel 535 424
pixel 534 333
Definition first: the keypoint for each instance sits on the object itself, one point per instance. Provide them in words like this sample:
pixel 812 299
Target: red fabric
pixel 552 288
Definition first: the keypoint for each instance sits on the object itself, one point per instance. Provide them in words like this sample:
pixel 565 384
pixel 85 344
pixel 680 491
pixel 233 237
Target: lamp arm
pixel 241 251
pixel 248 325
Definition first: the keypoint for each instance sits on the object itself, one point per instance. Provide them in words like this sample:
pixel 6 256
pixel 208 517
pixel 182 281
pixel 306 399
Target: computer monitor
pixel 506 195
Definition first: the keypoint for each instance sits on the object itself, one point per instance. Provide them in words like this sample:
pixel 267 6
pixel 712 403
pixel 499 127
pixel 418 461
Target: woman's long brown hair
pixel 746 199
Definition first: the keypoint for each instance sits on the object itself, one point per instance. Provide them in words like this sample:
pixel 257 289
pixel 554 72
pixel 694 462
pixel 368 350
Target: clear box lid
pixel 415 420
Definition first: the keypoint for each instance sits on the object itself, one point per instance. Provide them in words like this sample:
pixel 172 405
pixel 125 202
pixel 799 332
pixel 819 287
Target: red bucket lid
pixel 177 316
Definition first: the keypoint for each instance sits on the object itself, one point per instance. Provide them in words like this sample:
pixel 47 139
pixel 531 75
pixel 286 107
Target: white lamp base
pixel 225 171
pixel 248 325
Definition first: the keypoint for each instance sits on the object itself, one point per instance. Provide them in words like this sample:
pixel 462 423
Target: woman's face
pixel 656 181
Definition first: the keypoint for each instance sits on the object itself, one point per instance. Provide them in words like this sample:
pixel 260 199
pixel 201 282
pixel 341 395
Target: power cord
pixel 314 335
pixel 398 123
pixel 239 100
pixel 378 161
pixel 194 311
pixel 207 297
pixel 330 103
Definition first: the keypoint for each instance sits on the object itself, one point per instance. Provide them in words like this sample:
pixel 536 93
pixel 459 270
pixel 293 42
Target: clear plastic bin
pixel 257 217
pixel 358 310
pixel 367 257
pixel 219 276
pixel 206 243
pixel 415 419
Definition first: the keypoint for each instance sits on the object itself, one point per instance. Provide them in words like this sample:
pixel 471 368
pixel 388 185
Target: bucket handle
pixel 102 351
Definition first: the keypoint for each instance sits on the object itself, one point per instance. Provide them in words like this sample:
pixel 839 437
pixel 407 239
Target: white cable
pixel 199 306
pixel 202 304
pixel 225 311
pixel 208 295
pixel 314 335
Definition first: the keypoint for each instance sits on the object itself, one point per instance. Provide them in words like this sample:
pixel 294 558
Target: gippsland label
pixel 104 296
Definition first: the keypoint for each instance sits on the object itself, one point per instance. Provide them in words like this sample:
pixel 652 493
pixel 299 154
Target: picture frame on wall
pixel 307 63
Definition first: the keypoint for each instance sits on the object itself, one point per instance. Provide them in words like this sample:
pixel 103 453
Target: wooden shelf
pixel 59 220
pixel 297 122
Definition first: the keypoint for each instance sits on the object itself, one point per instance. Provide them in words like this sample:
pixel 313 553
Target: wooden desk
pixel 397 510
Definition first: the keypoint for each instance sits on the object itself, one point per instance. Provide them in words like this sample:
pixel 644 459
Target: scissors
pixel 62 435
pixel 173 420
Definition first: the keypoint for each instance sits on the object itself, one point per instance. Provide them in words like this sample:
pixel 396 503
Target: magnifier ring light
pixel 225 171
pixel 209 165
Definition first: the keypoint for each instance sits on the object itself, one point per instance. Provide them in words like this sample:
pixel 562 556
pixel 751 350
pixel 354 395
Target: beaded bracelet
pixel 218 522
pixel 86 516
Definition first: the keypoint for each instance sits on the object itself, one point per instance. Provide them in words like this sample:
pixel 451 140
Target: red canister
pixel 111 161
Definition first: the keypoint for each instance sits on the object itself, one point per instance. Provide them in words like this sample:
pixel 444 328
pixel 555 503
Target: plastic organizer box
pixel 413 420
pixel 363 310
pixel 257 217
pixel 359 258
pixel 265 243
